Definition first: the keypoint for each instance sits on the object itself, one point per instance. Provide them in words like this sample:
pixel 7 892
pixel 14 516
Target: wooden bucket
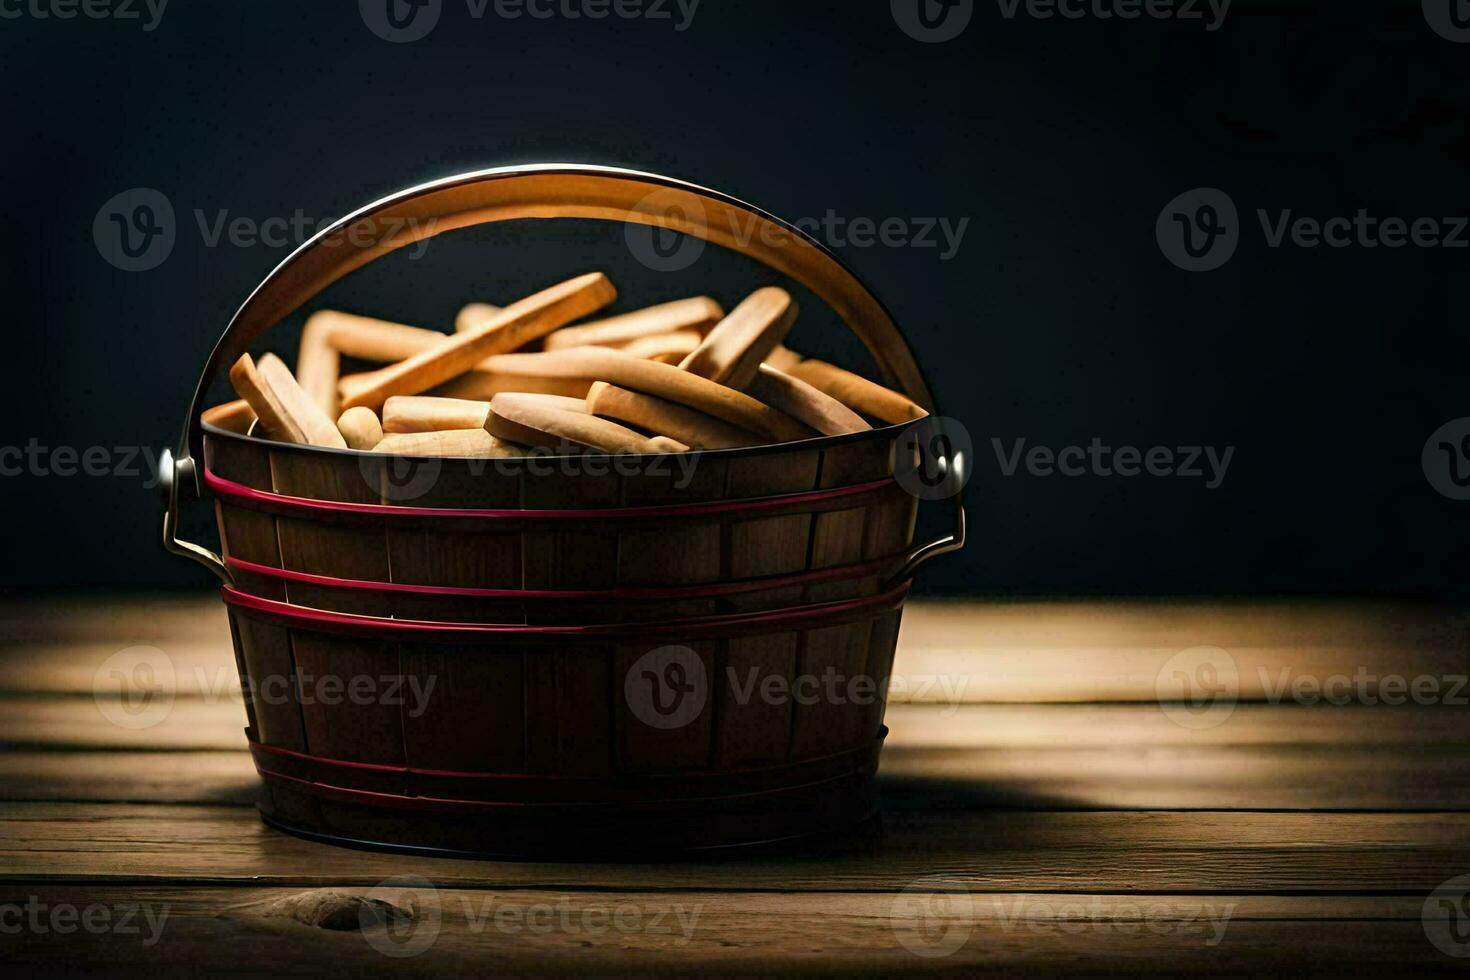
pixel 562 656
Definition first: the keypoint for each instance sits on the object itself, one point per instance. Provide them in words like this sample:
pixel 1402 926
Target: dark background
pixel 1058 320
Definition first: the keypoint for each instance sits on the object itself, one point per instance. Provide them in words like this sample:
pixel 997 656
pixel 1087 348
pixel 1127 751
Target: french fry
pixel 698 314
pixel 427 413
pixel 671 348
pixel 666 418
pixel 316 426
pixel 360 427
pixel 318 363
pixel 370 339
pixel 734 349
pixel 471 315
pixel 803 402
pixel 235 416
pixel 529 421
pixel 250 386
pixel 782 358
pixel 517 324
pixel 655 378
pixel 424 413
pixel 454 442
pixel 858 393
pixel 484 385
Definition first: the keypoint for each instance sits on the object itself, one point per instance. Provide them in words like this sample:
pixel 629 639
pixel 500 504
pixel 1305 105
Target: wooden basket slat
pixel 265 652
pixel 773 473
pixel 470 559
pixel 888 527
pixel 683 554
pixel 450 483
pixel 846 588
pixel 336 727
pixel 668 481
pixel 242 670
pixel 757 729
pixel 825 726
pixel 837 537
pixel 569 728
pixel 769 546
pixel 315 596
pixel 642 748
pixel 882 645
pixel 856 462
pixel 326 476
pixel 337 550
pixel 468 710
pixel 569 559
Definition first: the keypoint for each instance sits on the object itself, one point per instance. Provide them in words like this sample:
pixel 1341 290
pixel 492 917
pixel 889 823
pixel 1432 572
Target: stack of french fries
pixel 529 378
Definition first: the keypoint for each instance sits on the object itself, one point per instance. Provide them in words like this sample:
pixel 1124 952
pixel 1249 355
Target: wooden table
pixel 1053 817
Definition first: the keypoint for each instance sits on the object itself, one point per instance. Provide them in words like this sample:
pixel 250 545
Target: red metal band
pixel 260 748
pixel 328 621
pixel 282 503
pixel 686 592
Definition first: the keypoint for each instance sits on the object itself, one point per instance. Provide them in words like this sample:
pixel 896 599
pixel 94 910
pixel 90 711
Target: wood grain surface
pixel 1044 814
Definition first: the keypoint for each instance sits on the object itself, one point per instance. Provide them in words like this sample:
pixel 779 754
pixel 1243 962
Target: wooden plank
pixel 441 930
pixel 186 724
pixel 136 777
pixel 1143 853
pixel 1114 650
pixel 1147 726
pixel 1014 756
pixel 986 651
